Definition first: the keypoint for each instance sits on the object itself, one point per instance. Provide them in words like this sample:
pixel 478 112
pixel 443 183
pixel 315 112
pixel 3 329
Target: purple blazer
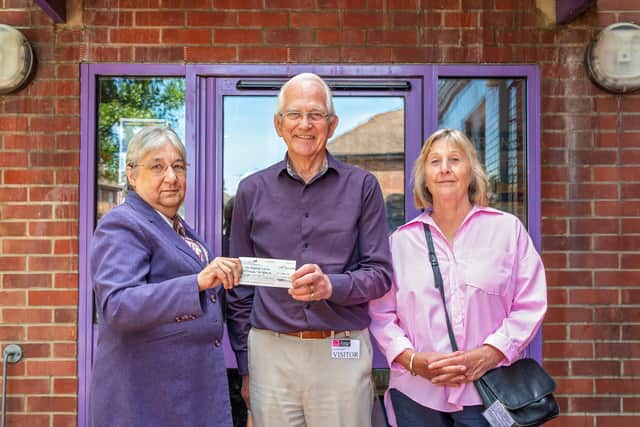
pixel 158 361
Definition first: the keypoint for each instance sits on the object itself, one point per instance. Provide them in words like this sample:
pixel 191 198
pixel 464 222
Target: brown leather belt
pixel 315 334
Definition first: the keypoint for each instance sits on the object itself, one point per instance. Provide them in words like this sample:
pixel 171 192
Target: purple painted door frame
pixel 201 201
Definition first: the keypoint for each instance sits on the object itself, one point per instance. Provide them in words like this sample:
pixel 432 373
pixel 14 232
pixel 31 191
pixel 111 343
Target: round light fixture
pixel 16 59
pixel 613 58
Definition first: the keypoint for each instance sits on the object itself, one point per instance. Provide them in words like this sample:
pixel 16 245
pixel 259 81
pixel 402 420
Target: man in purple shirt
pixel 309 353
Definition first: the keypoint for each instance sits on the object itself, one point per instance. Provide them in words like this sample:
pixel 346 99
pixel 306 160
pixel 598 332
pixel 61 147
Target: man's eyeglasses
pixel 312 116
pixel 160 169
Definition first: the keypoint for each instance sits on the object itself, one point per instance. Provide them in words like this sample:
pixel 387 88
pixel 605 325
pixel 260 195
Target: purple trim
pixel 191 138
pixel 87 213
pixel 534 184
pixel 415 133
pixel 568 10
pixel 56 9
pixel 214 195
pixel 214 166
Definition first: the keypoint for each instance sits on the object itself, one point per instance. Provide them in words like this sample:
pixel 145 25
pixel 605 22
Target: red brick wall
pixel 590 166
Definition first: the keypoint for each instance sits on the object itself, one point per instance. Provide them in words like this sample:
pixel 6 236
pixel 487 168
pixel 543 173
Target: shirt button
pixel 213 298
pixel 216 343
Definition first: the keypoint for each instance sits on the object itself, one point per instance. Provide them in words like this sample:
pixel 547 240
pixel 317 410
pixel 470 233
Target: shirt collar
pixel 167 220
pixel 328 163
pixel 425 217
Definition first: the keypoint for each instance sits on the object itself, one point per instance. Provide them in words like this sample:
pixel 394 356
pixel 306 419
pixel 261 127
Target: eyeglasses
pixel 160 169
pixel 312 116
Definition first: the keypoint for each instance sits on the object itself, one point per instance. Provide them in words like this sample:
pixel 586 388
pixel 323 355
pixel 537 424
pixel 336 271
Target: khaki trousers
pixel 295 382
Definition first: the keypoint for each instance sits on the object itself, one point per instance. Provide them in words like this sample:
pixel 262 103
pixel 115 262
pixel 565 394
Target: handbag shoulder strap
pixel 438 279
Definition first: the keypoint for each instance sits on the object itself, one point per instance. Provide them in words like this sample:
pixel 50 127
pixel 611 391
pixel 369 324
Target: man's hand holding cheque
pixel 309 283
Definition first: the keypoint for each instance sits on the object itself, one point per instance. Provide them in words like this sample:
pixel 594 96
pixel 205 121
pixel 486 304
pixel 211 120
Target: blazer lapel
pixel 164 229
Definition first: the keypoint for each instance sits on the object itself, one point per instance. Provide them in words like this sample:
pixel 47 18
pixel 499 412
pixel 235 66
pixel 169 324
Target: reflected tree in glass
pixel 124 105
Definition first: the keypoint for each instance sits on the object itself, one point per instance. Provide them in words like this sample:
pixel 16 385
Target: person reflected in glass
pixel 305 351
pixel 394 206
pixel 159 298
pixel 494 284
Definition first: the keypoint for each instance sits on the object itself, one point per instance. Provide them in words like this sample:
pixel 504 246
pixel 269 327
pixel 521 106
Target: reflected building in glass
pixel 378 146
pixel 492 113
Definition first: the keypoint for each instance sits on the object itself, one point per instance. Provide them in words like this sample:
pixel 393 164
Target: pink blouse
pixel 495 289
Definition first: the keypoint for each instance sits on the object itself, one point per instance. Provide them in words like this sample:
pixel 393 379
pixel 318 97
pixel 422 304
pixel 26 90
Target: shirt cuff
pixel 396 347
pixel 242 357
pixel 505 345
pixel 339 288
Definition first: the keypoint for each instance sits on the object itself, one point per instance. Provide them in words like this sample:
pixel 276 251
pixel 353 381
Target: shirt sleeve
pixel 372 278
pixel 529 303
pixel 240 299
pixel 120 264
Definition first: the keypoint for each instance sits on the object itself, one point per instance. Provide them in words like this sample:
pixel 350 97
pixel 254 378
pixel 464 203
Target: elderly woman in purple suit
pixel 159 299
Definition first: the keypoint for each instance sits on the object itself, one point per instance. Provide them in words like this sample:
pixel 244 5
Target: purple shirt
pixel 336 221
pixel 495 289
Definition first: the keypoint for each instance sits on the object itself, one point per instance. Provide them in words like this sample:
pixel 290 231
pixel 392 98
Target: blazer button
pixel 213 298
pixel 216 343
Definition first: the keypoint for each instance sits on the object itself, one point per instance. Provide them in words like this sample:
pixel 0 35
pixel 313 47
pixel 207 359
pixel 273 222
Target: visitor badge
pixel 345 349
pixel 498 416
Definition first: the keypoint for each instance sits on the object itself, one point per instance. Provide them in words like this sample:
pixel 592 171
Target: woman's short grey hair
pixel 422 197
pixel 308 77
pixel 151 138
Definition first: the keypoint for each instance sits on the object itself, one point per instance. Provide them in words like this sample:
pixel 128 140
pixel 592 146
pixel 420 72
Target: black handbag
pixel 524 388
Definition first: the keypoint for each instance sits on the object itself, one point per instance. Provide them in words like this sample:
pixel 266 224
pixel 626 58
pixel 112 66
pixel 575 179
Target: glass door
pixel 380 130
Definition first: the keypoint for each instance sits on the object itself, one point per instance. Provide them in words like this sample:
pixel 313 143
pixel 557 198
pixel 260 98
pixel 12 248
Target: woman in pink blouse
pixel 494 285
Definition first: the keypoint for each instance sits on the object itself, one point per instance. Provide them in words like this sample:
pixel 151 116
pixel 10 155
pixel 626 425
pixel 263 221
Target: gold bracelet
pixel 411 363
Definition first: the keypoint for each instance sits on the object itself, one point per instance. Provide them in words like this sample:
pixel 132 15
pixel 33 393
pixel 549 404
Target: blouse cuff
pixel 397 346
pixel 505 345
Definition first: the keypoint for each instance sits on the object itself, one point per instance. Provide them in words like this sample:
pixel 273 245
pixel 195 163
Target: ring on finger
pixel 312 296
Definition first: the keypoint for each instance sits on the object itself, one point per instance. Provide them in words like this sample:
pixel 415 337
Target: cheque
pixel 267 272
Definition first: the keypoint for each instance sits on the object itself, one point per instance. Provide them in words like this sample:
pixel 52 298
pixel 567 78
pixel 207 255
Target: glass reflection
pixel 124 106
pixel 370 135
pixel 492 112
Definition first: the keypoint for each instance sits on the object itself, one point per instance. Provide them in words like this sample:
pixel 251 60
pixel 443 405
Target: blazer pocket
pixel 165 335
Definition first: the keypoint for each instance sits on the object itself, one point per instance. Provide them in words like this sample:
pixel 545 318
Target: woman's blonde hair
pixel 422 197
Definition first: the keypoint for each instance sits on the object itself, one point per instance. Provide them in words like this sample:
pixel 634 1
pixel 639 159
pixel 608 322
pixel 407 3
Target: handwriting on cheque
pixel 268 272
